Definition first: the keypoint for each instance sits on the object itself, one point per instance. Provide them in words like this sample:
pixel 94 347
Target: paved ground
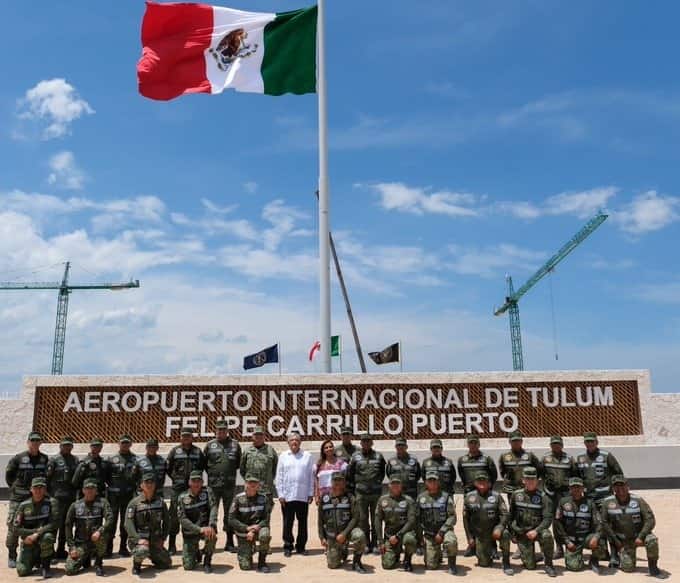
pixel 312 569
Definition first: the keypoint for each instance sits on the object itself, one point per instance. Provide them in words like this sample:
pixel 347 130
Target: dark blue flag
pixel 266 356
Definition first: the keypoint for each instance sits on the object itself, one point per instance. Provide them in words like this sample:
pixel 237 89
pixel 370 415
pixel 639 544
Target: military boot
pixel 207 563
pixel 12 560
pixel 407 566
pixel 137 569
pixel 594 565
pixel 549 569
pixel 172 544
pixel 261 563
pixel 45 569
pixel 559 552
pixel 469 551
pixel 507 569
pixel 453 570
pixel 229 544
pixel 99 568
pixel 614 562
pixel 654 571
pixel 356 564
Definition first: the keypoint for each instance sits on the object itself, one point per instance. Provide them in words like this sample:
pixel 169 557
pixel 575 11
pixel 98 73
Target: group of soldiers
pixel 79 504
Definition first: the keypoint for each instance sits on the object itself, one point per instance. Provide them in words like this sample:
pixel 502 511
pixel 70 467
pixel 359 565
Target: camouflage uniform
pixel 223 459
pixel 482 515
pixel 532 511
pixel 179 465
pixel 340 515
pixel 87 518
pixel 401 518
pixel 578 522
pixel 408 469
pixel 195 513
pixel 437 515
pixel 60 471
pixel 345 452
pixel 148 463
pixel 121 489
pixel 20 471
pixel 244 512
pixel 261 463
pixel 596 471
pixel 556 471
pixel 93 467
pixel 31 518
pixel 511 465
pixel 148 520
pixel 365 475
pixel 443 466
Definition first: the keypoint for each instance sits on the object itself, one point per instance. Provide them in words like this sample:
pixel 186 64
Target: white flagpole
pixel 324 197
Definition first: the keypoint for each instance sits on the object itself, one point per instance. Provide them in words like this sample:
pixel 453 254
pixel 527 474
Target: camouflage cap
pixel 34 436
pixel 221 424
pixel 196 475
pixel 346 431
pixel 148 477
pixel 590 436
pixel 252 478
pixel 575 481
pixel 619 479
pixel 96 442
pixel 39 481
pixel 338 476
pixel 472 438
pixel 395 480
pixel 152 442
pixel 90 483
pixel 366 437
pixel 435 443
pixel 258 429
pixel 186 431
pixel 125 438
pixel 530 472
pixel 556 439
pixel 400 441
pixel 481 476
pixel 432 476
pixel 66 440
pixel 515 436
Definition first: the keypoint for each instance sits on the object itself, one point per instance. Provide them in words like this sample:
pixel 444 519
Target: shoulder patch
pixel 325 498
pixel 491 498
pixel 507 457
pixel 384 503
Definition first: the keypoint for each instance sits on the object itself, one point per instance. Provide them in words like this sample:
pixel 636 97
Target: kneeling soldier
pixel 531 516
pixel 486 519
pixel 92 518
pixel 249 519
pixel 398 512
pixel 147 523
pixel 437 515
pixel 338 525
pixel 36 521
pixel 577 522
pixel 197 508
pixel 628 521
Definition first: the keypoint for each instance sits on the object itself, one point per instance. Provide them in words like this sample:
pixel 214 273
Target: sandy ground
pixel 312 568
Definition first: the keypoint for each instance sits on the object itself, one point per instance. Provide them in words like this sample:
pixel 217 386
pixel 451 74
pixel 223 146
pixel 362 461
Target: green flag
pixel 335 345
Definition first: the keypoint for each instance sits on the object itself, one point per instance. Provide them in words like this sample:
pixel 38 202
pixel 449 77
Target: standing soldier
pixel 60 471
pixel 147 524
pixel 260 460
pixel 365 475
pixel 182 460
pixel 36 521
pixel 121 488
pixel 556 469
pixel 442 465
pixel 406 467
pixel 469 465
pixel 151 462
pixel 346 449
pixel 249 519
pixel 399 514
pixel 437 517
pixel 530 519
pixel 92 466
pixel 19 473
pixel 223 458
pixel 577 523
pixel 197 509
pixel 88 526
pixel 628 521
pixel 486 519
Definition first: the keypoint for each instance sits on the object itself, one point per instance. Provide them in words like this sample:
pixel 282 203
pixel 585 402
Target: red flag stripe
pixel 174 39
pixel 316 346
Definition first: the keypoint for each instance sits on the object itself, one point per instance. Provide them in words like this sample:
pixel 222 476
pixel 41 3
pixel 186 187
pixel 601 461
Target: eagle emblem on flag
pixel 232 47
pixel 260 358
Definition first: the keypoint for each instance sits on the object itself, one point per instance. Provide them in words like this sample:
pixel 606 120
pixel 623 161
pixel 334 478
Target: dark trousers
pixel 292 511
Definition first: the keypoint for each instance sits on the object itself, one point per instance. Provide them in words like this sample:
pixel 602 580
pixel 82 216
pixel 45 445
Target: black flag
pixel 390 354
pixel 266 356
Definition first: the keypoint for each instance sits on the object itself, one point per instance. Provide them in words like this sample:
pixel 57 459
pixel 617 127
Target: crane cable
pixel 552 313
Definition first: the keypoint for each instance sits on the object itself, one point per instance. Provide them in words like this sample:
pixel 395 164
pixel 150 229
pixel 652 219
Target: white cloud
pixel 583 204
pixel 490 261
pixel 220 210
pixel 65 173
pixel 648 212
pixel 56 103
pixel 400 197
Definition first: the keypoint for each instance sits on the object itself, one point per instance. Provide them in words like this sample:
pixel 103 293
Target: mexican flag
pixel 197 48
pixel 335 348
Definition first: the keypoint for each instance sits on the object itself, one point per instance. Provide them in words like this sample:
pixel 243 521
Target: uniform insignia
pixel 411 462
pixel 28 512
pixel 93 466
pixel 633 504
pixel 213 446
pixel 600 458
pixel 393 462
pixel 130 512
pixel 60 463
pixel 535 499
pixel 384 503
pixel 45 508
pixel 402 504
pixel 203 496
pixel 25 460
pixel 525 456
pixel 583 508
pixel 423 500
pixel 186 501
pixel 326 498
pixel 491 499
pixel 116 460
pixel 79 510
pixel 568 507
pixel 520 497
pixel 612 504
pixel 473 499
pixel 178 450
pixel 508 457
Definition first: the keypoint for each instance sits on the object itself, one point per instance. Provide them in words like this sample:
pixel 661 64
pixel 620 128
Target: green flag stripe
pixel 335 345
pixel 289 63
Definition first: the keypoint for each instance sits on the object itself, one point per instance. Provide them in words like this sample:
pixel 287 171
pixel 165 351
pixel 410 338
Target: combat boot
pixel 469 551
pixel 172 544
pixel 45 569
pixel 356 564
pixel 407 566
pixel 507 569
pixel 229 544
pixel 137 569
pixel 549 569
pixel 559 552
pixel 207 563
pixel 595 565
pixel 654 571
pixel 261 563
pixel 98 568
pixel 453 570
pixel 12 560
pixel 614 562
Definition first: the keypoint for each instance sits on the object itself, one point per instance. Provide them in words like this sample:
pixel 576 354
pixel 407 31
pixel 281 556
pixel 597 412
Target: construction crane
pixel 511 304
pixel 62 307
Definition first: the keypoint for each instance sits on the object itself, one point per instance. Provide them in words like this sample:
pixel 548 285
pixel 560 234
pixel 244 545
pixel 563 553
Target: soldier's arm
pixel 379 522
pixel 466 519
pixel 501 467
pixel 214 508
pixel 613 465
pixel 107 524
pixel 169 461
pixel 19 527
pixel 68 525
pixel 453 479
pixel 411 518
pixel 597 519
pixel 513 526
pixel 388 470
pixel 459 465
pixel 234 523
pixel 536 463
pixel 49 474
pixel 188 527
pixel 648 519
pixel 558 526
pixel 354 520
pixel 605 526
pixel 136 474
pixel 239 453
pixel 503 511
pixel 242 465
pixel 269 504
pixel 548 513
pixel 419 472
pixel 573 470
pixel 450 521
pixel 493 472
pixel 351 468
pixel 77 475
pixel 202 461
pixel 166 520
pixel 130 522
pixel 11 471
pixel 382 467
pixel 53 524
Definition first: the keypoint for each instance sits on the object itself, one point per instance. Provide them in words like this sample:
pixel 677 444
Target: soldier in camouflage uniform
pixel 19 473
pixel 400 517
pixel 151 462
pixel 147 524
pixel 92 466
pixel 249 519
pixel 346 449
pixel 197 509
pixel 36 521
pixel 531 515
pixel 223 459
pixel 60 471
pixel 182 460
pixel 88 528
pixel 440 464
pixel 121 488
pixel 486 518
pixel 556 469
pixel 365 474
pixel 406 467
pixel 437 517
pixel 259 460
pixel 338 525
pixel 628 521
pixel 469 465
pixel 577 523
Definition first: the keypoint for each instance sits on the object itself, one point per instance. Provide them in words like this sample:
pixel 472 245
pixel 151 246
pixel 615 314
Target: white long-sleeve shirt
pixel 295 476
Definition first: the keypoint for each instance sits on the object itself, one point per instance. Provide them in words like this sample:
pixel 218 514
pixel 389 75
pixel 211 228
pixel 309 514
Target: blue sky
pixel 468 140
